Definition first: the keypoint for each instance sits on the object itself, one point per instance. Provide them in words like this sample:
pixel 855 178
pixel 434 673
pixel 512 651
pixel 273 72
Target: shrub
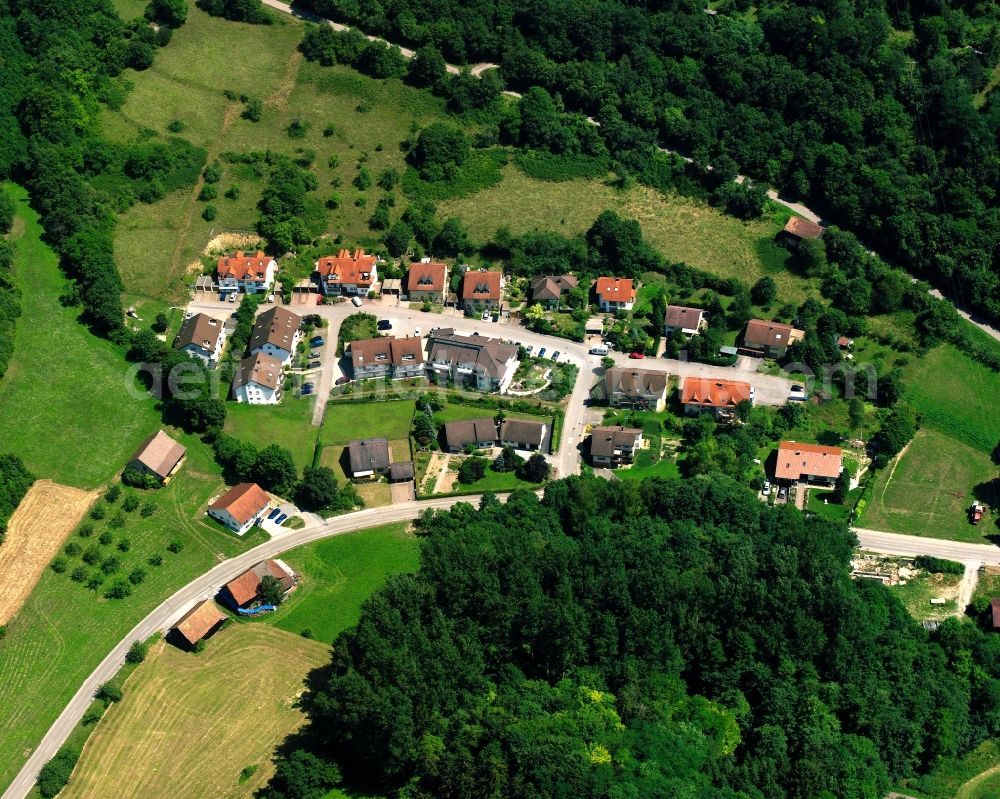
pixel 59 564
pixel 307 633
pixel 212 173
pixel 124 545
pixel 55 774
pixel 112 494
pixel 91 555
pixel 253 110
pixel 72 549
pixel 298 128
pixel 96 581
pixel 148 509
pixel 92 716
pixel 136 576
pixel 137 652
pixel 156 560
pixel 110 564
pixel 78 575
pixel 136 479
pixel 175 546
pixel 471 470
pixel 175 126
pixel 208 192
pixel 106 538
pixel 119 589
pixel 938 565
pixel 130 503
pixel 98 512
pixel 209 213
pixel 117 521
pixel 109 692
pixel 233 192
pixel 86 530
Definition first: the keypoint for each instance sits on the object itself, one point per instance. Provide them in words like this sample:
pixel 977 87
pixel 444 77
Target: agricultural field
pixel 68 408
pixel 338 574
pixel 928 491
pixel 202 724
pixel 288 424
pixel 46 515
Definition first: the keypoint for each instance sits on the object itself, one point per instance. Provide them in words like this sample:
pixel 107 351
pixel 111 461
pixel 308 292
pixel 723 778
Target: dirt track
pixel 47 514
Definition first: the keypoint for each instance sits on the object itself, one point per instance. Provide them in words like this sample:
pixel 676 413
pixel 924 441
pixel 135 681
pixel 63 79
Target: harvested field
pixel 189 724
pixel 47 514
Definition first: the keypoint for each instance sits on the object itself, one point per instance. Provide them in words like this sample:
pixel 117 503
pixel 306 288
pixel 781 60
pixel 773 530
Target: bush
pixel 233 192
pixel 136 479
pixel 59 564
pixel 938 565
pixel 91 555
pixel 72 549
pixel 212 173
pixel 55 774
pixel 253 110
pixel 86 530
pixel 298 128
pixel 130 503
pixel 92 716
pixel 97 512
pixel 112 494
pixel 78 575
pixel 155 560
pixel 137 652
pixel 136 576
pixel 209 213
pixel 106 538
pixel 124 545
pixel 119 589
pixel 109 692
pixel 208 192
pixel 110 564
pixel 471 470
pixel 117 521
pixel 175 546
pixel 148 509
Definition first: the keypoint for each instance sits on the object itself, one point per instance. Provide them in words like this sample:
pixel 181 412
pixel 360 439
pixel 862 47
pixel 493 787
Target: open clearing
pixel 916 595
pixel 288 424
pixel 46 515
pixel 973 776
pixel 930 490
pixel 189 724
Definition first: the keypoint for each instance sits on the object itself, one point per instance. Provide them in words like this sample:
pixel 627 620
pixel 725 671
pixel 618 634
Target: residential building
pixel 480 433
pixel 242 591
pixel 769 339
pixel 427 282
pixel 199 622
pixel 202 336
pixel 276 333
pixel 615 446
pixel 626 387
pixel 995 613
pixel 258 380
pixel 615 294
pixel 811 463
pixel 797 229
pixel 241 507
pixel 159 456
pixel 482 290
pixel 549 290
pixel 524 434
pixel 688 320
pixel 368 457
pixel 401 472
pixel 397 358
pixel 251 274
pixel 486 364
pixel 347 272
pixel 712 395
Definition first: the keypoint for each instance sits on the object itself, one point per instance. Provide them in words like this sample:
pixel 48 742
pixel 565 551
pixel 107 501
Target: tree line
pixel 15 480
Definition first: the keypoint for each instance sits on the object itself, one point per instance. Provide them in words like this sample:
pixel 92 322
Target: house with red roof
pixel 810 463
pixel 241 592
pixel 797 230
pixel 614 294
pixel 482 290
pixel 241 507
pixel 251 274
pixel 427 281
pixel 347 272
pixel 713 395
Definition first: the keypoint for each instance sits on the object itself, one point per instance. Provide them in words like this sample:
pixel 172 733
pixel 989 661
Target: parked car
pixel 541 352
pixel 316 341
pixel 767 488
pixel 315 364
pixel 797 393
pixel 529 349
pixel 231 298
pixel 783 492
pixel 342 380
pixel 356 301
pixel 281 518
pixel 601 350
pixel 314 354
pixel 486 316
pixel 416 332
pixel 307 388
pixel 384 324
pixel 637 356
pixel 555 355
pixel 274 513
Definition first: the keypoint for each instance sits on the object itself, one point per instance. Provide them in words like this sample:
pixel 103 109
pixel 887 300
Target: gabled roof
pixel 474 352
pixel 401 471
pixel 680 316
pixel 803 229
pixel 159 453
pixel 385 350
pixel 606 441
pixel 480 284
pixel 277 327
pixel 201 330
pixel 347 267
pixel 552 287
pixel 459 433
pixel 634 382
pixel 244 267
pixel 615 289
pixel 262 369
pixel 796 459
pixel 243 502
pixel 199 621
pixel 762 333
pixel 522 430
pixel 995 612
pixel 714 393
pixel 368 455
pixel 426 277
pixel 243 589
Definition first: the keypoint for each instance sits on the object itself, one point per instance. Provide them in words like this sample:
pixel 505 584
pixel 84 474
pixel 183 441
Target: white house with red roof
pixel 615 294
pixel 251 274
pixel 347 272
pixel 241 507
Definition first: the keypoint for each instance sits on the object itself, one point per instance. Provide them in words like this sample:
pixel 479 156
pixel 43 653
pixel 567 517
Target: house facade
pixel 482 290
pixel 347 273
pixel 810 463
pixel 258 380
pixel 241 507
pixel 486 364
pixel 614 294
pixel 276 333
pixel 427 282
pixel 398 358
pixel 611 447
pixel 644 389
pixel 712 395
pixel 250 274
pixel 687 320
pixel 479 433
pixel 203 337
pixel 767 339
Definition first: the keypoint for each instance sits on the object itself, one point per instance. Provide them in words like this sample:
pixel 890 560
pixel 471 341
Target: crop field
pixel 66 395
pixel 189 724
pixel 46 515
pixel 930 490
pixel 340 573
pixel 288 424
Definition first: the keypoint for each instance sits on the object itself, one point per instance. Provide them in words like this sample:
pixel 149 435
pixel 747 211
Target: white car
pixel 767 488
pixel 416 332
pixel 486 316
pixel 356 301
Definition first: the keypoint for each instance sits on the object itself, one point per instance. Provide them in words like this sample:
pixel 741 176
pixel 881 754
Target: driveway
pixel 403 492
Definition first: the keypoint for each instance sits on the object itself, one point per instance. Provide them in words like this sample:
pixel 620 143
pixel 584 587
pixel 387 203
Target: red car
pixel 637 355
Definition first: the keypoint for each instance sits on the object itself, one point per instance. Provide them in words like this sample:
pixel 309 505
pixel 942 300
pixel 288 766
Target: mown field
pixel 338 574
pixel 189 724
pixel 288 424
pixel 930 490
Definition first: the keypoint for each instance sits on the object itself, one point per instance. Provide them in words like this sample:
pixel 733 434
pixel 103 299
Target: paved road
pixel 912 545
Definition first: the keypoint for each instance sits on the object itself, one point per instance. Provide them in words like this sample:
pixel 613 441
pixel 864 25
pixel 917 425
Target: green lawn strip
pixel 918 592
pixel 67 408
pixel 930 490
pixel 346 421
pixel 339 574
pixel 288 424
pixel 65 629
pixel 950 774
pixel 832 510
pixel 453 412
pixel 667 468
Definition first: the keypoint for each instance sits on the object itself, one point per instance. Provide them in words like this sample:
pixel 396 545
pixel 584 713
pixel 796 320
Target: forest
pixel 669 638
pixel 871 112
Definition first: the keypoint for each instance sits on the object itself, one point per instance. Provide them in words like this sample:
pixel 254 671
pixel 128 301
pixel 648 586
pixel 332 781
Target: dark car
pixel 555 355
pixel 541 352
pixel 342 380
pixel 315 364
pixel 384 324
pixel 281 518
pixel 316 341
pixel 274 513
pixel 307 388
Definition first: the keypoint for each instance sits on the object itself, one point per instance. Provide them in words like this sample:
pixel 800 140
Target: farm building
pixel 242 591
pixel 797 230
pixel 241 507
pixel 199 622
pixel 159 456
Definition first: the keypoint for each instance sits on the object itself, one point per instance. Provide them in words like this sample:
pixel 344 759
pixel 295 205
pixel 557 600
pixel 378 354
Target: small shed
pixel 205 284
pixel 595 326
pixel 401 472
pixel 392 285
pixel 199 622
pixel 728 351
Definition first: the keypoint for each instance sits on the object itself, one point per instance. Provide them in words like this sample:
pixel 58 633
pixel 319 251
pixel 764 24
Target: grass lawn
pixel 497 482
pixel 288 424
pixel 189 724
pixel 831 510
pixel 931 489
pixel 667 468
pixel 338 574
pixel 346 421
pixel 453 413
pixel 973 776
pixel 918 592
pixel 67 408
pixel 989 584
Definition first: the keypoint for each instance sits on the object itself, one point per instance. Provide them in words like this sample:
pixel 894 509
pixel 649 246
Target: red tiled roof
pixel 481 285
pixel 347 267
pixel 615 289
pixel 244 588
pixel 796 459
pixel 763 333
pixel 243 267
pixel 243 501
pixel 159 453
pixel 995 611
pixel 803 229
pixel 712 393
pixel 199 621
pixel 426 277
